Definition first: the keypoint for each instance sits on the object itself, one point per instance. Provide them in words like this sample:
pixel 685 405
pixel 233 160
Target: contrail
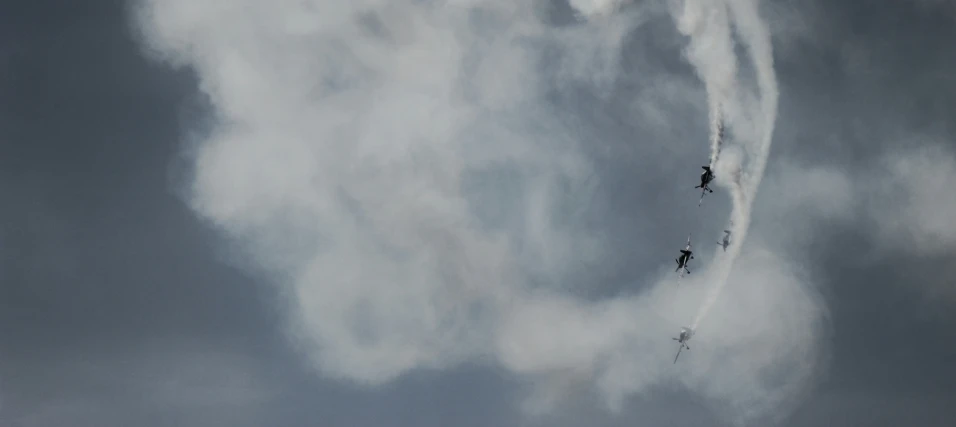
pixel 709 26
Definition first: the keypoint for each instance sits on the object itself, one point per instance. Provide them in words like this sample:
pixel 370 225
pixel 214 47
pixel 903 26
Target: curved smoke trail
pixel 716 132
pixel 756 36
pixel 708 24
pixel 711 51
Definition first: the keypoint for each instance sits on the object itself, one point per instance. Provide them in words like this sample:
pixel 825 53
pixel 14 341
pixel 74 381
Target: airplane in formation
pixel 685 334
pixel 685 256
pixel 726 241
pixel 705 178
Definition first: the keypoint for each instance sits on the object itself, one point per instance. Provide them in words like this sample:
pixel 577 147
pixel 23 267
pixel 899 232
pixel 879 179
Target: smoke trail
pixel 714 68
pixel 711 51
pixel 755 35
pixel 740 217
pixel 716 132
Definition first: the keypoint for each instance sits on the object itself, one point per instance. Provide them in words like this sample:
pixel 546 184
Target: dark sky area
pixel 119 306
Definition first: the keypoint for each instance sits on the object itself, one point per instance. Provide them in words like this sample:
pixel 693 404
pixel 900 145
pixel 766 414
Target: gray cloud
pixel 910 205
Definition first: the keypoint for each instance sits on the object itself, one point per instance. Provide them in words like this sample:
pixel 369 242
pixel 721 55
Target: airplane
pixel 685 255
pixel 685 334
pixel 705 179
pixel 726 240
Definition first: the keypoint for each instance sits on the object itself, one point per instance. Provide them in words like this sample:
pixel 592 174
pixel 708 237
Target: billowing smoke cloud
pixel 398 171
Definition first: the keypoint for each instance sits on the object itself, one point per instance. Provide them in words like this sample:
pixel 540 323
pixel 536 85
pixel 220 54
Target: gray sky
pixel 365 213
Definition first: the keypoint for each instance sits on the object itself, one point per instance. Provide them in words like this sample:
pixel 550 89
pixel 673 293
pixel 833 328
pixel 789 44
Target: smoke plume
pixel 398 170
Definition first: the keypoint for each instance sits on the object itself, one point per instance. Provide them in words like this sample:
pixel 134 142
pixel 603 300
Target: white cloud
pixel 397 167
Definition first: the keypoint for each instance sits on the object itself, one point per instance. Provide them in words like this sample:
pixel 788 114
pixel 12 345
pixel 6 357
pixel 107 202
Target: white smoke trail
pixel 740 217
pixel 716 132
pixel 711 51
pixel 755 35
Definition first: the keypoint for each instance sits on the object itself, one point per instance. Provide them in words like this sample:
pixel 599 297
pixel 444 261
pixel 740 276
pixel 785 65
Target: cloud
pixel 809 192
pixel 900 196
pixel 914 212
pixel 401 172
pixel 766 337
pixel 595 8
pixel 898 200
pixel 912 204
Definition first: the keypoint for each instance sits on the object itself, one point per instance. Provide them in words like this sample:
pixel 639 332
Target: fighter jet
pixel 685 334
pixel 726 240
pixel 705 178
pixel 685 255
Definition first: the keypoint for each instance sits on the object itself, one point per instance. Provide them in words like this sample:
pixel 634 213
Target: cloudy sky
pixel 463 212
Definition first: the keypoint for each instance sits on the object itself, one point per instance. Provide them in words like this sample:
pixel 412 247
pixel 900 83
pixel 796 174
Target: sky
pixel 432 213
